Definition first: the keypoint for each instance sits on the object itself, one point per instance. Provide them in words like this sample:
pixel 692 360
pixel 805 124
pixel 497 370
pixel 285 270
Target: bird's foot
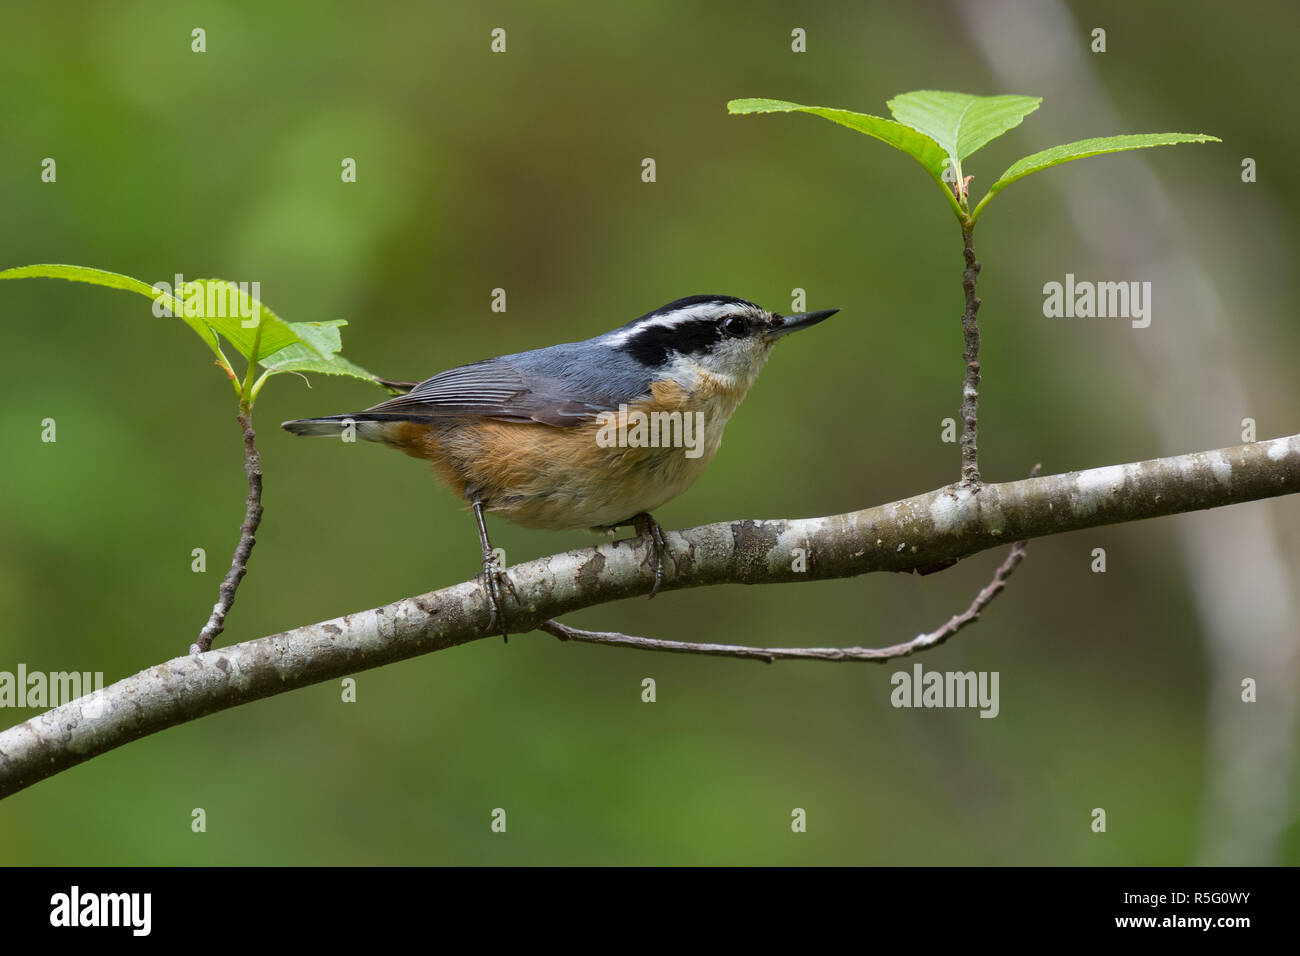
pixel 495 583
pixel 653 532
pixel 493 576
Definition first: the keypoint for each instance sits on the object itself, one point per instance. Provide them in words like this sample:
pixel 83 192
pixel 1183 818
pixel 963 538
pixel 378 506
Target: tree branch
pixel 918 532
pixel 247 537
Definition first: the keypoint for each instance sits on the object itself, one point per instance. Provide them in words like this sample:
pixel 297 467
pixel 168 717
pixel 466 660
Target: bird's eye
pixel 735 326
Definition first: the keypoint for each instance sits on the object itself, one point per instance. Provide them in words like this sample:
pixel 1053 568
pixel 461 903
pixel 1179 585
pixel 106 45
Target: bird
pixel 593 434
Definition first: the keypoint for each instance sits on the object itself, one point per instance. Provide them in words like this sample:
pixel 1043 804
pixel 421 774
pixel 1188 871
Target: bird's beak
pixel 792 323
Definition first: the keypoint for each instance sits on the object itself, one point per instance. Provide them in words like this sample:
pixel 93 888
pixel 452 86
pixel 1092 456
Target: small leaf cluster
pixel 267 341
pixel 940 130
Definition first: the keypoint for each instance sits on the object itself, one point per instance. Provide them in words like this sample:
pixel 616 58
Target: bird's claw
pixel 495 581
pixel 653 532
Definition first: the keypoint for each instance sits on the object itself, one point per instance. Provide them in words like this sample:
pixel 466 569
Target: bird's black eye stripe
pixel 652 345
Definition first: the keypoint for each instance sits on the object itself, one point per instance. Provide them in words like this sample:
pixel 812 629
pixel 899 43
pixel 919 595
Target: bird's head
pixel 720 335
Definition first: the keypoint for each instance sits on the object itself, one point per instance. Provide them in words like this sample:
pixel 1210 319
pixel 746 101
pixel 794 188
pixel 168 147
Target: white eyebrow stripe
pixel 669 320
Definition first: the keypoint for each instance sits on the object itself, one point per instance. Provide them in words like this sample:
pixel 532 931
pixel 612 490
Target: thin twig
pixel 395 386
pixel 877 655
pixel 970 468
pixel 247 538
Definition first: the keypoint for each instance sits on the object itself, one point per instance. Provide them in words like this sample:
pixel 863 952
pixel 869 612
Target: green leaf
pixel 225 308
pixel 1084 148
pixel 317 352
pixel 918 145
pixel 299 358
pixel 324 337
pixel 215 307
pixel 114 280
pixel 960 122
pixel 284 346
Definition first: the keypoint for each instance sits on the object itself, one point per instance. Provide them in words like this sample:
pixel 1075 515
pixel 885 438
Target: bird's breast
pixel 629 460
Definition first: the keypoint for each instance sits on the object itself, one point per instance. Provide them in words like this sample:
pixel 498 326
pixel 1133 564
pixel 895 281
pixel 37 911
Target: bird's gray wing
pixel 499 389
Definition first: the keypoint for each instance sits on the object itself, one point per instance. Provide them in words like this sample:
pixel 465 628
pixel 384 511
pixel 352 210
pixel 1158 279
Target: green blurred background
pixel 522 171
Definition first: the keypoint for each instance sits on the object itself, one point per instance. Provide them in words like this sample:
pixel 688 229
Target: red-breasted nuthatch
pixel 593 434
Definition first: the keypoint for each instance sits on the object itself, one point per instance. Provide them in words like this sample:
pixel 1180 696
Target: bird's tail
pixel 332 425
pixel 368 426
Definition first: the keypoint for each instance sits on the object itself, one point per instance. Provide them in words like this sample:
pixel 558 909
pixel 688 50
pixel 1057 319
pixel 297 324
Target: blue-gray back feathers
pixel 561 385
